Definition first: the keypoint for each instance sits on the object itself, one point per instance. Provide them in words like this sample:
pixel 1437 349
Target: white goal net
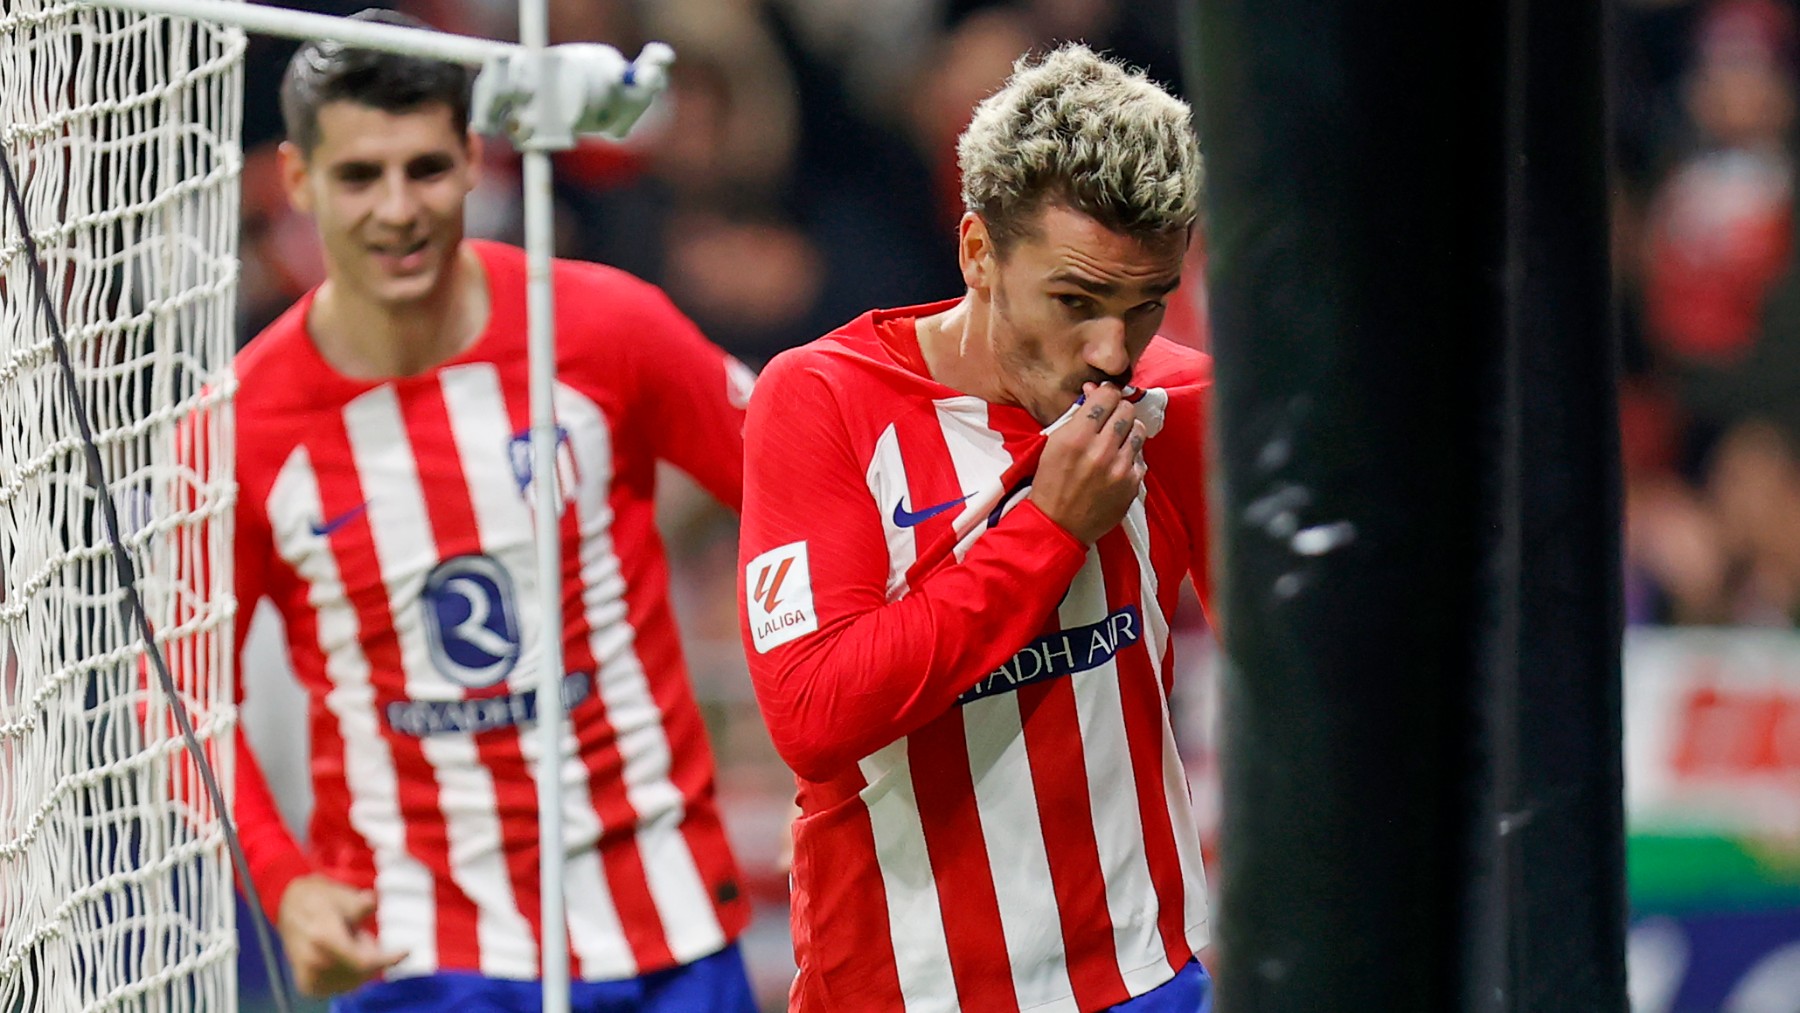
pixel 122 132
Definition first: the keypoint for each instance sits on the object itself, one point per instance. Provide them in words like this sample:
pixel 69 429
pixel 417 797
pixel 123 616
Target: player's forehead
pixel 351 131
pixel 1069 247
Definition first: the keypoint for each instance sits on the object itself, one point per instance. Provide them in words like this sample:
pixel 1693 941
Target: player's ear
pixel 473 145
pixel 975 252
pixel 294 172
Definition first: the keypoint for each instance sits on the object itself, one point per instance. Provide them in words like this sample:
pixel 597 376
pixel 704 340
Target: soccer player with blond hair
pixel 965 526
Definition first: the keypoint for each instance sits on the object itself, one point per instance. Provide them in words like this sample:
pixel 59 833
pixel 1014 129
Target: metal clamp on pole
pixel 544 101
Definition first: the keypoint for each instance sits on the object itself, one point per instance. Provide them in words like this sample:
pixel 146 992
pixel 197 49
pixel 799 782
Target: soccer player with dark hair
pixel 963 536
pixel 385 507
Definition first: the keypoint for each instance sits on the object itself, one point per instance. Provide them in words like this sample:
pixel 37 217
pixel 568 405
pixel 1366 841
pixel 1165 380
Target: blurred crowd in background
pixel 802 170
pixel 1709 298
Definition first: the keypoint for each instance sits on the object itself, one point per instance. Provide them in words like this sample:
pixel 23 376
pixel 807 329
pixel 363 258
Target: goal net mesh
pixel 123 133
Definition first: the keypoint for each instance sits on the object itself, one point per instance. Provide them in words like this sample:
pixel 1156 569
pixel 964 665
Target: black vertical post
pixel 1416 505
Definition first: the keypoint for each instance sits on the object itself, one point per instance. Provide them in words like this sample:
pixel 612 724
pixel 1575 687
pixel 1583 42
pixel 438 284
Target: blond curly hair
pixel 1083 131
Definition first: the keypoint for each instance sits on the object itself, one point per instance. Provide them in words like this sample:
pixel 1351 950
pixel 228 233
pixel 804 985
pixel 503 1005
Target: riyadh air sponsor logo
pixel 519 452
pixel 324 527
pixel 778 597
pixel 1064 652
pixel 423 718
pixel 471 621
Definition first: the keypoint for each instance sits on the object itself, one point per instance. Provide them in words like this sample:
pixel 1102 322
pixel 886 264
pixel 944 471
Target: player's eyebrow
pixel 434 162
pixel 420 165
pixel 355 169
pixel 1095 286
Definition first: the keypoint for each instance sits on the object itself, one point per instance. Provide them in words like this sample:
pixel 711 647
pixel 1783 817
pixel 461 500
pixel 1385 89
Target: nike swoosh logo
pixel 323 528
pixel 904 518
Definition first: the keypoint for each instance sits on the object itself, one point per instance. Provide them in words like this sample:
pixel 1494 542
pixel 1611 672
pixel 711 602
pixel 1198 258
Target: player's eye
pixel 429 167
pixel 1074 303
pixel 357 175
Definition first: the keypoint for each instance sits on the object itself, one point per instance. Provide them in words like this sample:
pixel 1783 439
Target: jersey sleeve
pixel 839 670
pixel 275 857
pixel 1177 456
pixel 691 394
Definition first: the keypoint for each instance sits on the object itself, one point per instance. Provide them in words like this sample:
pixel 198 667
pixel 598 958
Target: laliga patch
pixel 778 590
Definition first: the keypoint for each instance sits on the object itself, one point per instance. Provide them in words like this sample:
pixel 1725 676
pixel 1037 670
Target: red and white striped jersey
pixel 993 813
pixel 392 524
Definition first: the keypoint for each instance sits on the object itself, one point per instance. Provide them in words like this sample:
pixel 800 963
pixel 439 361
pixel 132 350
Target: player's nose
pixel 397 204
pixel 1105 349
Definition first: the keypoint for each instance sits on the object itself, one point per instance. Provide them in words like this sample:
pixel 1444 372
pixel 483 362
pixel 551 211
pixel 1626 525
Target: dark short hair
pixel 323 72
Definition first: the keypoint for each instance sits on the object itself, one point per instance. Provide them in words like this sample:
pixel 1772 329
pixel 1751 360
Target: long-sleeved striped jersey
pixel 392 524
pixel 993 813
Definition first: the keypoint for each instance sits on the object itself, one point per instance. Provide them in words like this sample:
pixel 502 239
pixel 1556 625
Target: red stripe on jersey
pixel 454 529
pixel 943 784
pixel 690 755
pixel 647 578
pixel 938 761
pixel 1059 778
pixel 1143 704
pixel 833 884
pixel 331 838
pixel 341 492
pixel 598 746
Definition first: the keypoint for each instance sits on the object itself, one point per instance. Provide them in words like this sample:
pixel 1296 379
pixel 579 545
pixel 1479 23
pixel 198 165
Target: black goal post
pixel 1416 504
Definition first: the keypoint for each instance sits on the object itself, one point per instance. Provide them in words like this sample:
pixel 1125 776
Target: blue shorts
pixel 711 983
pixel 1190 991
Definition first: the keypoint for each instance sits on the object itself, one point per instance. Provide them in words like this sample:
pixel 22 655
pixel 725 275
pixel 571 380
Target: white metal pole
pixel 421 42
pixel 540 302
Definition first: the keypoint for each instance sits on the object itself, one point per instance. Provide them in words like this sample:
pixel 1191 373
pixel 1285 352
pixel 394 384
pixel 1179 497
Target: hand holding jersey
pixel 1092 466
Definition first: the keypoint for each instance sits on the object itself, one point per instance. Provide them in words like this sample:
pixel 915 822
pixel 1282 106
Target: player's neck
pixel 368 340
pixel 958 353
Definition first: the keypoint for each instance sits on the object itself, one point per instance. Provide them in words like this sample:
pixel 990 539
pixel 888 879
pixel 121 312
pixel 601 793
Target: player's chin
pixel 404 290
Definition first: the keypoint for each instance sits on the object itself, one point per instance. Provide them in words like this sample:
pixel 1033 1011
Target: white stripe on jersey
pixel 1130 892
pixel 915 921
pixel 405 914
pixel 482 431
pixel 1001 767
pixel 887 484
pixel 979 456
pixel 1017 857
pixel 1176 792
pixel 682 899
pixel 406 552
pixel 482 428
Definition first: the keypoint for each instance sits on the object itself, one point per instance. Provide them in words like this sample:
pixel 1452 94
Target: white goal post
pixel 120 121
pixel 122 136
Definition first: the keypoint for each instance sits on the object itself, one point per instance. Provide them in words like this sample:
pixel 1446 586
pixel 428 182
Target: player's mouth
pixel 401 258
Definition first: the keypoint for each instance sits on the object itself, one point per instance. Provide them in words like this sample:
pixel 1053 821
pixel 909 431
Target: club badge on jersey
pixel 520 454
